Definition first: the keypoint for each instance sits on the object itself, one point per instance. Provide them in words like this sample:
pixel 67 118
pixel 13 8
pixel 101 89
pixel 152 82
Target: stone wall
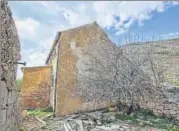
pixel 10 48
pixel 163 102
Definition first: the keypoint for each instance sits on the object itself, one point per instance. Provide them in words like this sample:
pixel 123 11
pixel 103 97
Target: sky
pixel 38 22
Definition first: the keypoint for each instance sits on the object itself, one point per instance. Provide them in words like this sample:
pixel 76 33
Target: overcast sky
pixel 38 22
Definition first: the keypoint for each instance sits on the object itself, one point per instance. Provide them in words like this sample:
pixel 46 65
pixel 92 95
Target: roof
pixel 35 67
pixel 53 46
pixel 57 37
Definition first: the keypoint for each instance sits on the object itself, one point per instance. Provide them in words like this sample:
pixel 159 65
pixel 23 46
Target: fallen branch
pixel 47 116
pixel 41 121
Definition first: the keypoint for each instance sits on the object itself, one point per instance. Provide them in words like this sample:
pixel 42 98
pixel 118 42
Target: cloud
pixel 32 58
pixel 47 43
pixel 37 58
pixel 49 17
pixel 72 14
pixel 27 27
pixel 121 31
pixel 50 6
pixel 175 3
pixel 19 72
pixel 105 13
pixel 170 35
pixel 127 11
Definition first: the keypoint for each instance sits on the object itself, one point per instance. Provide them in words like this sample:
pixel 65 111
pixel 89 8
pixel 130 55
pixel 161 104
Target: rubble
pixel 92 121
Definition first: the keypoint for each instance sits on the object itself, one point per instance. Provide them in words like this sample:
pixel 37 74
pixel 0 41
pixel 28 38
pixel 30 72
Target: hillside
pixel 164 53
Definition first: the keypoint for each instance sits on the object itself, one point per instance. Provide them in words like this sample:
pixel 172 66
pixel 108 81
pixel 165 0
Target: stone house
pixel 63 59
pixel 62 73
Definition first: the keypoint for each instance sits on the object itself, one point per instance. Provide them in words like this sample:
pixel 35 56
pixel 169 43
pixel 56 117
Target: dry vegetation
pixel 113 73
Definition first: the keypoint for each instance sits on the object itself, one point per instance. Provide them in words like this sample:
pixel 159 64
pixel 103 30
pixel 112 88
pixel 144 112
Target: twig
pixel 41 121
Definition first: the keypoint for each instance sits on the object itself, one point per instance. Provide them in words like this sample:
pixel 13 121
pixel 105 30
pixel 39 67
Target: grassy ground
pixel 19 84
pixel 147 118
pixel 40 112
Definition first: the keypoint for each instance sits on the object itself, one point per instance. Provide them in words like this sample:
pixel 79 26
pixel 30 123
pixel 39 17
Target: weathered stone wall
pixel 10 48
pixel 164 54
pixel 71 43
pixel 163 102
pixel 35 92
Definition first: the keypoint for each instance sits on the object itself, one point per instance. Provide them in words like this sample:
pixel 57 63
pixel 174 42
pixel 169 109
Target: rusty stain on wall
pixel 36 87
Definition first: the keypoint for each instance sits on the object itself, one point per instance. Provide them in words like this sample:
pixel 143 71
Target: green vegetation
pixel 40 112
pixel 23 129
pixel 146 118
pixel 127 118
pixel 19 84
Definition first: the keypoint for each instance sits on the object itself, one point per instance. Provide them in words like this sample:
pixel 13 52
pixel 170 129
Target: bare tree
pixel 107 73
pixel 104 73
pixel 145 57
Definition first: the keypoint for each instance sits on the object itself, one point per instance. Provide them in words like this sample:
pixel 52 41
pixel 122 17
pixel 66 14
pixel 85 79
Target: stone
pixel 150 105
pixel 173 112
pixel 4 66
pixel 109 116
pixel 177 117
pixel 24 113
pixel 169 106
pixel 166 111
pixel 121 129
pixel 125 127
pixel 175 108
pixel 112 108
pixel 99 122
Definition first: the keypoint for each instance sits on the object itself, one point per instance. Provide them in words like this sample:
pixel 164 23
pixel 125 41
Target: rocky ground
pixel 100 121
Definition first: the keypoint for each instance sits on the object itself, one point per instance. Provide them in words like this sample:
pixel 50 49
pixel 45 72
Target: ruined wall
pixel 163 102
pixel 164 53
pixel 35 92
pixel 72 42
pixel 10 48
